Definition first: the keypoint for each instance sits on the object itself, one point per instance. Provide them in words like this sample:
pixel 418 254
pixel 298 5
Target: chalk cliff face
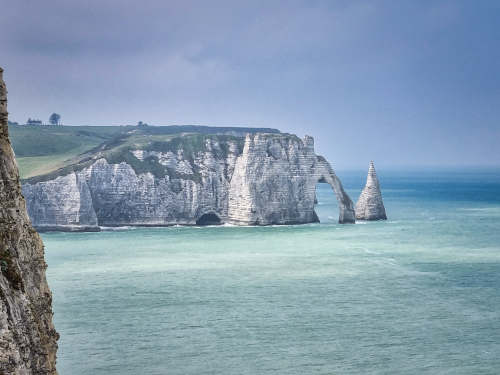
pixel 261 179
pixel 28 340
pixel 274 182
pixel 370 205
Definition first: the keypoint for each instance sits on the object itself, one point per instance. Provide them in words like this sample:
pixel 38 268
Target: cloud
pixel 338 70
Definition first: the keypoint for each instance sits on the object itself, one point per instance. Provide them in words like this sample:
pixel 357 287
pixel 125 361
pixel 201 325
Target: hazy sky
pixel 400 82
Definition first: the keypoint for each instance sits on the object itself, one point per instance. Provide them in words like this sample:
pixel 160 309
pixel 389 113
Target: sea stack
pixel 28 340
pixel 370 205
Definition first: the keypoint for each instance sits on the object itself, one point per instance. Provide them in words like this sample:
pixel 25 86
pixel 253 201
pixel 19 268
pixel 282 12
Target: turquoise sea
pixel 417 294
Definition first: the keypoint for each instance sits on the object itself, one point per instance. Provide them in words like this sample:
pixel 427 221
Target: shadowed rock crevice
pixel 210 218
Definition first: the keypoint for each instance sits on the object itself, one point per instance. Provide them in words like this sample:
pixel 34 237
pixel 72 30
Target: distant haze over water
pixel 400 82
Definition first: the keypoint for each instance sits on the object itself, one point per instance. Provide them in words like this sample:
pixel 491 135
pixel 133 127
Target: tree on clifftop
pixel 55 118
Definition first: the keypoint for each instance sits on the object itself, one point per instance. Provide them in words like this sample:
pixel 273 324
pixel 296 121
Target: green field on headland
pixel 42 150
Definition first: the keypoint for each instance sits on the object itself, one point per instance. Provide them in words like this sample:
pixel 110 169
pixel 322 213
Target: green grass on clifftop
pixel 49 151
pixel 42 149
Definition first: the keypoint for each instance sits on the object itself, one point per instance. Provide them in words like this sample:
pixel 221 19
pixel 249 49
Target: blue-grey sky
pixel 404 83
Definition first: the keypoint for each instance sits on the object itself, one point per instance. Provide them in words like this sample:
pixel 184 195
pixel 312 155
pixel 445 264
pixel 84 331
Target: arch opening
pixel 326 207
pixel 209 218
pixel 325 173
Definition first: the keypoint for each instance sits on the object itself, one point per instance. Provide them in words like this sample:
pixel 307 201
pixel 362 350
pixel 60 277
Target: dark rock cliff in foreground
pixel 28 340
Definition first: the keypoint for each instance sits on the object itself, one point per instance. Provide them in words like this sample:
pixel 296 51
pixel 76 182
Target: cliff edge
pixel 186 179
pixel 28 340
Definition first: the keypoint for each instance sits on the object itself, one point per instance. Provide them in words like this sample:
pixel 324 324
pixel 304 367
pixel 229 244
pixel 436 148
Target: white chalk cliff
pixel 260 179
pixel 370 205
pixel 274 182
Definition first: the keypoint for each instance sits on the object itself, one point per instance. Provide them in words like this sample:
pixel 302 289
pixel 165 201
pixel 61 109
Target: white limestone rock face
pixel 370 205
pixel 274 182
pixel 105 194
pixel 73 208
pixel 28 340
pixel 122 197
pixel 263 179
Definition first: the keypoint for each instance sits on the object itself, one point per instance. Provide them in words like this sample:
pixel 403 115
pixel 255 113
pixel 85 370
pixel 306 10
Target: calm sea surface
pixel 417 294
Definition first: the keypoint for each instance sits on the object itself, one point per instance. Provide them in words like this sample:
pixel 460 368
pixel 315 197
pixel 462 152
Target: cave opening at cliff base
pixel 209 218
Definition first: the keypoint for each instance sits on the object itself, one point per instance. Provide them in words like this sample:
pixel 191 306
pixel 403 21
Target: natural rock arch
pixel 325 174
pixel 274 182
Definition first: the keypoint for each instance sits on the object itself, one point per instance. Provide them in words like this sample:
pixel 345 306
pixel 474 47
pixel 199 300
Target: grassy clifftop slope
pixel 44 150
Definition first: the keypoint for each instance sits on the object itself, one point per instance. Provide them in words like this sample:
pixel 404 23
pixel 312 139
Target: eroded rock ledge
pixel 28 340
pixel 260 179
